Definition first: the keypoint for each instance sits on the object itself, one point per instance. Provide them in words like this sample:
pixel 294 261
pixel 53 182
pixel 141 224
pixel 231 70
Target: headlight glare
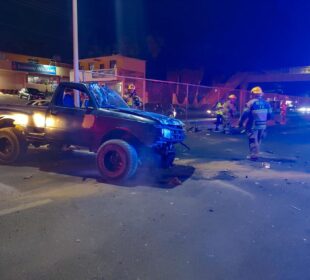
pixel 166 133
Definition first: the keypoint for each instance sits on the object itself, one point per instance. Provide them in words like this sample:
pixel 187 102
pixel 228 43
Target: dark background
pixel 219 36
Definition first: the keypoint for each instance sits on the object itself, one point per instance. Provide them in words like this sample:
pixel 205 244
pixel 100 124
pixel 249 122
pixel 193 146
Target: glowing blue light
pixel 167 133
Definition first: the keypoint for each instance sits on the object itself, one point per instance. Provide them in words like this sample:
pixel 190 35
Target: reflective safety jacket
pixel 229 109
pixel 256 112
pixel 219 108
pixel 133 101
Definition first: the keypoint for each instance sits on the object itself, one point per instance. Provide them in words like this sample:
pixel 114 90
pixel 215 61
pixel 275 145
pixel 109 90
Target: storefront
pixel 42 77
pixel 18 71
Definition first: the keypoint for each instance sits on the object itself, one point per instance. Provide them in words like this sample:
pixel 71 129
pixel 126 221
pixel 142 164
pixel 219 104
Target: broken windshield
pixel 106 97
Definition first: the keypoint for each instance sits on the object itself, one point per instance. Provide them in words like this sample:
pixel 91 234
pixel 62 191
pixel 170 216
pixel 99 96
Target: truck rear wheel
pixel 12 146
pixel 117 160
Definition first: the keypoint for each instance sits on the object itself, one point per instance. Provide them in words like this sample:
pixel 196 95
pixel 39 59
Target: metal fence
pixel 188 100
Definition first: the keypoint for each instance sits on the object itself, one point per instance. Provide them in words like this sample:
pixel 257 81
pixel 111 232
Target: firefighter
pixel 229 111
pixel 219 115
pixel 257 111
pixel 131 97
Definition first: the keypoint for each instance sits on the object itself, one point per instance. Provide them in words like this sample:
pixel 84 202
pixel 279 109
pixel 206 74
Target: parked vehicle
pixel 92 116
pixel 30 94
pixel 41 102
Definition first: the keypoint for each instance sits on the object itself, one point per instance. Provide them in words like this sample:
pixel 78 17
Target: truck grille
pixel 178 133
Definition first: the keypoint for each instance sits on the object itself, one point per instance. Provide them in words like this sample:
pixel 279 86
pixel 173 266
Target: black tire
pixel 117 160
pixel 12 145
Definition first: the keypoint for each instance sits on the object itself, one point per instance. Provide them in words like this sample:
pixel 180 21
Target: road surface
pixel 215 215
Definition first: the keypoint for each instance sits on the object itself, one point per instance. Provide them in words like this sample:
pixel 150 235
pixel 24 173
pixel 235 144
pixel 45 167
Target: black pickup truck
pixel 95 117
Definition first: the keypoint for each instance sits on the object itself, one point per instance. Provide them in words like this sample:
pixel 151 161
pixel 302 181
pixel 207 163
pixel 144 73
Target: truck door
pixel 68 121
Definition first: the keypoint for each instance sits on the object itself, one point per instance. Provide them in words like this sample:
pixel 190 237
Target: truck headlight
pixel 39 120
pixel 166 133
pixel 20 119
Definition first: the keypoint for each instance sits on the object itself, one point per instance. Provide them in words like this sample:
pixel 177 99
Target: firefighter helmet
pixel 257 91
pixel 232 96
pixel 131 87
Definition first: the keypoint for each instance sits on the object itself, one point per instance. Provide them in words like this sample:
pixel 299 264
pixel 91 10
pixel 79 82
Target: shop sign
pixel 35 68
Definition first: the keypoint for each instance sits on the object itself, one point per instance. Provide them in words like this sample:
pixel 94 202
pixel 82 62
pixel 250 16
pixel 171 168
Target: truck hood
pixel 160 119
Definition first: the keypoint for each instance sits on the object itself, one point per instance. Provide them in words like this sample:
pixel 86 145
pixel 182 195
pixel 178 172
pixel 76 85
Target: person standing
pixel 256 113
pixel 219 115
pixel 131 97
pixel 229 111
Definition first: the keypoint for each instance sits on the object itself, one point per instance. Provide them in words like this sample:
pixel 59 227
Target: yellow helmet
pixel 131 87
pixel 232 96
pixel 257 91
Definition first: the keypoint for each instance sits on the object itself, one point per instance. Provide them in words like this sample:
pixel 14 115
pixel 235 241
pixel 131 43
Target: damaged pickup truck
pixel 94 117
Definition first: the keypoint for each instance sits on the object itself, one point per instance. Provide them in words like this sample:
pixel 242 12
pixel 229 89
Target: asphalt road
pixel 228 219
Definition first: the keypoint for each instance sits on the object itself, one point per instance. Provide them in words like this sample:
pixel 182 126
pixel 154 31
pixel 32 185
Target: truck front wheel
pixel 117 160
pixel 12 146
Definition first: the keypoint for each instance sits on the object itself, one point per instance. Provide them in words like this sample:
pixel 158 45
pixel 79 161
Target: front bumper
pixel 170 135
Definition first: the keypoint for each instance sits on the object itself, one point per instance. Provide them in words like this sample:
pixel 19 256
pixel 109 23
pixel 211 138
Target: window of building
pixel 91 66
pixel 101 66
pixel 81 67
pixel 112 64
pixel 42 80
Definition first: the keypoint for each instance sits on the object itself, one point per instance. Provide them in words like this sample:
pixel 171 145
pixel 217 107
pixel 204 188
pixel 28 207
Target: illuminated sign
pixel 35 68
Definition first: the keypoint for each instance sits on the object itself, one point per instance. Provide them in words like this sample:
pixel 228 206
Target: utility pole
pixel 76 71
pixel 75 42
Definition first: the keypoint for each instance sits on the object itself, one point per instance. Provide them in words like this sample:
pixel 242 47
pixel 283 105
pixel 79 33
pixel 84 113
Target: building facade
pixel 117 71
pixel 18 71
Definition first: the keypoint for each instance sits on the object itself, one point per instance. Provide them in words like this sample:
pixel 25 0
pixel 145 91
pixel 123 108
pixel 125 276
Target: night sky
pixel 219 36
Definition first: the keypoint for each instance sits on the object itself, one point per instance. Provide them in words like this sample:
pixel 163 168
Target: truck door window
pixel 68 98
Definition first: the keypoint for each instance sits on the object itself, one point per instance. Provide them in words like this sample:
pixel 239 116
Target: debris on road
pixel 266 165
pixel 28 177
pixel 175 181
pixel 296 208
